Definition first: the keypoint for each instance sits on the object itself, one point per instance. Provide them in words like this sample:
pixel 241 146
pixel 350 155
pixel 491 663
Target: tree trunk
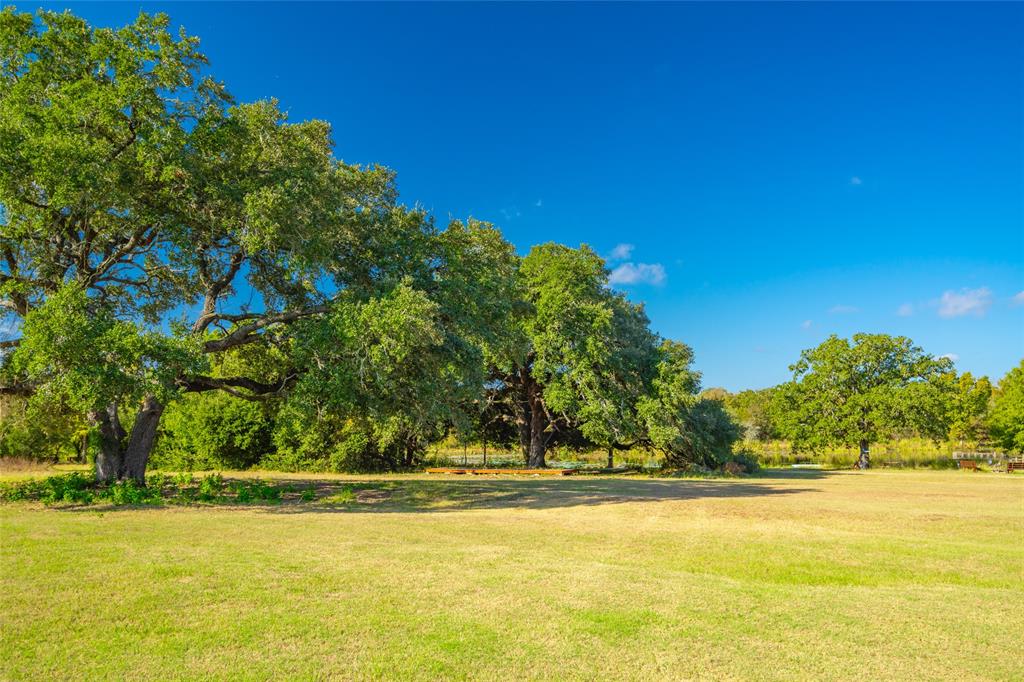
pixel 110 458
pixel 142 440
pixel 864 461
pixel 611 457
pixel 538 424
pixel 522 413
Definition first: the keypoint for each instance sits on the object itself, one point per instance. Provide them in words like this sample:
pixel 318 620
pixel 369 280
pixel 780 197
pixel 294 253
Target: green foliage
pixel 1007 417
pixel 39 430
pixel 689 429
pixel 747 460
pixel 81 355
pixel 256 490
pixel 752 411
pixel 874 388
pixel 133 189
pixel 214 431
pixel 76 488
pixel 127 492
pixel 969 401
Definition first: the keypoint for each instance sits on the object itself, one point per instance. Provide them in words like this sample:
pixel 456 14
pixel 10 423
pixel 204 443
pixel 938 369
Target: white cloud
pixel 905 310
pixel 806 324
pixel 950 356
pixel 539 203
pixel 621 252
pixel 856 181
pixel 965 302
pixel 1017 299
pixel 843 309
pixel 638 273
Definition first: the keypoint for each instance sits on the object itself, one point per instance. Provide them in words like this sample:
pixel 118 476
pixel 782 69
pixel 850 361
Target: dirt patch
pixel 372 496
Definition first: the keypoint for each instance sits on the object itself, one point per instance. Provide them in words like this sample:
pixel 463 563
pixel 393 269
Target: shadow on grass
pixel 448 495
pixel 451 494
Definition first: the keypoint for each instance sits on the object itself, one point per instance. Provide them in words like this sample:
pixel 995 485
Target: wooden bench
pixel 968 464
pixel 514 472
pixel 1014 466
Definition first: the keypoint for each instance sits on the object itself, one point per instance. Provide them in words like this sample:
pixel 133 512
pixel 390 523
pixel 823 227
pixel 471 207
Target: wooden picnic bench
pixel 515 472
pixel 971 464
pixel 1012 466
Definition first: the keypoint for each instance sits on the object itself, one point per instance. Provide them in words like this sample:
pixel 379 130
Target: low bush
pixel 77 488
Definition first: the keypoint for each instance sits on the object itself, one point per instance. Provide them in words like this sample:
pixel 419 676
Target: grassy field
pixel 793 575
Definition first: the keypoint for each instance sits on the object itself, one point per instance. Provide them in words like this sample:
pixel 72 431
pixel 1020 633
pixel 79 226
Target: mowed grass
pixel 803 575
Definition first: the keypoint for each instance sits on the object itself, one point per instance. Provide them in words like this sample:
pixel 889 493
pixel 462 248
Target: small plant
pixel 344 496
pixel 211 487
pixel 72 488
pixel 255 490
pixel 129 492
pixel 309 494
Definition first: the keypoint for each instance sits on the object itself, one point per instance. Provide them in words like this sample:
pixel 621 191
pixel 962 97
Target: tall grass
pixel 904 453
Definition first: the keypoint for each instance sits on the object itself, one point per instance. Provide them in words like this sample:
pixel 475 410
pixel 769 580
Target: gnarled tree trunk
pixel 142 440
pixel 110 458
pixel 864 461
pixel 122 455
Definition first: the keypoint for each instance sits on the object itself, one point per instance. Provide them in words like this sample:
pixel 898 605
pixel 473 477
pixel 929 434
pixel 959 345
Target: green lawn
pixel 802 575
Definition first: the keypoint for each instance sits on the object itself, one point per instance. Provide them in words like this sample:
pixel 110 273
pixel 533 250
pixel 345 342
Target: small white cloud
pixel 905 310
pixel 538 203
pixel 856 181
pixel 1017 299
pixel 965 302
pixel 621 252
pixel 843 309
pixel 806 324
pixel 950 356
pixel 638 273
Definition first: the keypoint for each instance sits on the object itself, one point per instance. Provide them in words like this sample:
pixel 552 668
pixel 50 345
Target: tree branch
pixel 245 334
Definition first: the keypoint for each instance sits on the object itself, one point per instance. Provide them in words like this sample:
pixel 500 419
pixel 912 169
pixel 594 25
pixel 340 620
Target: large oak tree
pixel 148 222
pixel 857 393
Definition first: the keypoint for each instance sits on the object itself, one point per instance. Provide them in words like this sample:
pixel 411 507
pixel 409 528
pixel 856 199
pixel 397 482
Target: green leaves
pixel 688 428
pixel 80 354
pixel 1007 417
pixel 876 387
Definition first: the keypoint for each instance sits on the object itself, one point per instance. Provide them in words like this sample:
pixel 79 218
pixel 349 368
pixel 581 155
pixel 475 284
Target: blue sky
pixel 760 175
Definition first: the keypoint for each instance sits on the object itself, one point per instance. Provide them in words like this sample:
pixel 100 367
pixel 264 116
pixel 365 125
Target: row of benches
pixel 1011 466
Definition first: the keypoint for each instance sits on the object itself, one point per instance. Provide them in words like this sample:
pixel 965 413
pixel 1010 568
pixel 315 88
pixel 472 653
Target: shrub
pixel 213 431
pixel 211 487
pixel 255 490
pixel 746 460
pixel 129 492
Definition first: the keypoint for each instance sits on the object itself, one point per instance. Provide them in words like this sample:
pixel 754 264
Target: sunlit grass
pixel 812 575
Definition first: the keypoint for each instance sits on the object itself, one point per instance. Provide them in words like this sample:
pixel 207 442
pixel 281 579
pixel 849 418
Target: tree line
pixel 184 271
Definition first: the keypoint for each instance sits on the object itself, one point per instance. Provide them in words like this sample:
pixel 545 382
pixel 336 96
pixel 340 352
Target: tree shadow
pixel 472 493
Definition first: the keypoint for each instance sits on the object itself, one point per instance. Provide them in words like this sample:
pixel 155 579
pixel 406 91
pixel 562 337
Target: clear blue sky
pixel 782 172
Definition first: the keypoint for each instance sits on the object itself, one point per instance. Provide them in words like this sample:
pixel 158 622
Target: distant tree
pixel 969 408
pixel 752 410
pixel 858 393
pixel 1006 420
pixel 715 393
